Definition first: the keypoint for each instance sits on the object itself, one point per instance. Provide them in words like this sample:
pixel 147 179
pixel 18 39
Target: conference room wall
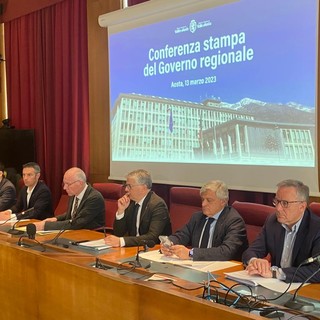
pixel 99 107
pixel 99 103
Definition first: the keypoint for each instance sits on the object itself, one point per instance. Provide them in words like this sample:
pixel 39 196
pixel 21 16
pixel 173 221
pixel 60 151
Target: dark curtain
pixel 47 83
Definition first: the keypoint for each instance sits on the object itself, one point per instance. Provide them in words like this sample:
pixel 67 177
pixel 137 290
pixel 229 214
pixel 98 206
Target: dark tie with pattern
pixel 134 220
pixel 206 233
pixel 75 208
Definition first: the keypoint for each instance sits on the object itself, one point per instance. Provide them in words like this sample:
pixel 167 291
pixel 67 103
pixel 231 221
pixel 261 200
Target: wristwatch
pixel 274 270
pixel 191 253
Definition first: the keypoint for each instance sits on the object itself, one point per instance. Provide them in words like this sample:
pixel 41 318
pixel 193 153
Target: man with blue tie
pixel 216 233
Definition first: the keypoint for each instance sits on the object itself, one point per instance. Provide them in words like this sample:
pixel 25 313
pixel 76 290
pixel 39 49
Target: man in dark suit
pixel 86 208
pixel 7 191
pixel 142 215
pixel 216 233
pixel 35 196
pixel 290 236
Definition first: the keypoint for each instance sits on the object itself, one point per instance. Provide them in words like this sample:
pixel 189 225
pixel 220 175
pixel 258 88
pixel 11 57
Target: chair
pixel 183 202
pixel 62 205
pixel 315 208
pixel 254 216
pixel 111 192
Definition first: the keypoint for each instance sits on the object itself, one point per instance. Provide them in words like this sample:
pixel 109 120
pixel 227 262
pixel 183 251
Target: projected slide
pixel 233 84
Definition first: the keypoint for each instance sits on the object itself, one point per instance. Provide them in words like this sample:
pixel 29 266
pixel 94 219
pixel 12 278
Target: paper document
pixel 204 266
pixel 253 281
pixel 94 244
pixel 44 232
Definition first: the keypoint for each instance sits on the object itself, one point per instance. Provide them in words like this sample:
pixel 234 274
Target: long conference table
pixel 45 279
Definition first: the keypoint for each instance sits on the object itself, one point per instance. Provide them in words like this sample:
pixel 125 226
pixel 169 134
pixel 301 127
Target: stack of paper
pixel 94 244
pixel 253 281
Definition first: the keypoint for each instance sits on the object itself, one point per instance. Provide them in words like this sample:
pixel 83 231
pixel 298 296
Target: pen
pixel 75 243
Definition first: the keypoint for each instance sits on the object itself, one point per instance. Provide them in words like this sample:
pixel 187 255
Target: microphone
pixel 302 305
pixel 31 230
pixel 20 216
pixel 311 259
pixel 146 245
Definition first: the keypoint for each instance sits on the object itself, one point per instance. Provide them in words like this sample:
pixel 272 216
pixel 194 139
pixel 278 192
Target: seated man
pixel 35 196
pixel 86 208
pixel 290 236
pixel 142 215
pixel 7 192
pixel 217 232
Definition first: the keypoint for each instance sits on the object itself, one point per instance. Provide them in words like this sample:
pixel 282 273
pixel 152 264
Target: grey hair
pixel 142 177
pixel 80 175
pixel 33 165
pixel 301 188
pixel 218 187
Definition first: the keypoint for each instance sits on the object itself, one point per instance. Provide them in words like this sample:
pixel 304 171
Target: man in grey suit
pixel 86 209
pixel 142 215
pixel 216 233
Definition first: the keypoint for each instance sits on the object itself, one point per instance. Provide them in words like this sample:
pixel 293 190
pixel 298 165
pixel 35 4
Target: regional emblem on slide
pixel 193 26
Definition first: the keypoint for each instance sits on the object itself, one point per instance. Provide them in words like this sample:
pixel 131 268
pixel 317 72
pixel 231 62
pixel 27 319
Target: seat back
pixel 183 202
pixel 315 208
pixel 111 192
pixel 62 205
pixel 254 216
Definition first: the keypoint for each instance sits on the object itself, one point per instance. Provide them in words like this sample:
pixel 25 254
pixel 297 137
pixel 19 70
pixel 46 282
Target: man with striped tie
pixel 86 209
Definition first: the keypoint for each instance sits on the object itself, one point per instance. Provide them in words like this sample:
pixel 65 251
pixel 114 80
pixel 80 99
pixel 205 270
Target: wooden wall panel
pixel 98 89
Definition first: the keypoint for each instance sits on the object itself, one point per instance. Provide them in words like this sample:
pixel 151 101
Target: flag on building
pixel 170 120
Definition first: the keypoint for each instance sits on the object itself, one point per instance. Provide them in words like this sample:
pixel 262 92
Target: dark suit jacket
pixel 90 213
pixel 7 194
pixel 229 237
pixel 40 200
pixel 307 244
pixel 154 221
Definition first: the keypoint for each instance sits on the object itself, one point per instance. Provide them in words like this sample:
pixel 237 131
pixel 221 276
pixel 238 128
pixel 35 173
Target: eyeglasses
pixel 284 203
pixel 130 186
pixel 66 184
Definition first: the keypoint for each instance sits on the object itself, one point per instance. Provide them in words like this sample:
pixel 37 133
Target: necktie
pixel 75 208
pixel 206 233
pixel 134 220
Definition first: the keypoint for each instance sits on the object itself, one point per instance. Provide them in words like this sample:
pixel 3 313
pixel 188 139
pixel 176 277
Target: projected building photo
pixel 153 129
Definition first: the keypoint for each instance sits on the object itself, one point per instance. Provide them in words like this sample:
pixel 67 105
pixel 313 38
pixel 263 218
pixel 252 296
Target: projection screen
pixel 204 90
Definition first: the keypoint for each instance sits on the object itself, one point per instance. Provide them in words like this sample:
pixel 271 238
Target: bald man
pixel 86 209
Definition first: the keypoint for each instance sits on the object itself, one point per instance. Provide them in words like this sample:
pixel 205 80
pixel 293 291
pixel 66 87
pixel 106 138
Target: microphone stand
pixel 301 305
pixel 12 230
pixel 55 239
pixel 136 263
pixel 31 232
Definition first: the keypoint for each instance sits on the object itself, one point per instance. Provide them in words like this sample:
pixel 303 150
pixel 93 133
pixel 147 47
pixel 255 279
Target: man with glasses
pixel 142 215
pixel 34 197
pixel 290 237
pixel 86 209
